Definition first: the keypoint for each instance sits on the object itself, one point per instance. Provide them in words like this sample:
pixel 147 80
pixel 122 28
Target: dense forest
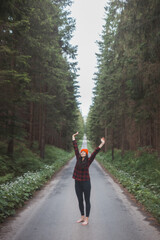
pixel 126 107
pixel 38 70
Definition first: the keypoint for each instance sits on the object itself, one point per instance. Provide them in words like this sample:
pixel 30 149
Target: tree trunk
pixel 123 136
pixel 112 152
pixel 42 140
pixel 10 148
pixel 158 133
pixel 42 149
pixel 31 125
pixel 40 125
pixel 112 145
pixel 106 142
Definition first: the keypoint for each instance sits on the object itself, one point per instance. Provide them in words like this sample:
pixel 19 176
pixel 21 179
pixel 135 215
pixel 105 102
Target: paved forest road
pixel 53 212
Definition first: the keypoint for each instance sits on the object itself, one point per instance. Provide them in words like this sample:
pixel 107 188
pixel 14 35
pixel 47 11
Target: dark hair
pixel 82 164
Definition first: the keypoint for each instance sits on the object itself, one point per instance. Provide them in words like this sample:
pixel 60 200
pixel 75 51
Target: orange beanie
pixel 84 150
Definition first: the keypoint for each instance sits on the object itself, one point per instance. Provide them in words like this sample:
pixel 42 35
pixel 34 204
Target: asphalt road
pixel 52 213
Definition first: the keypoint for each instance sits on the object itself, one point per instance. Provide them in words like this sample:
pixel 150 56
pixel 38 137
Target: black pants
pixel 83 187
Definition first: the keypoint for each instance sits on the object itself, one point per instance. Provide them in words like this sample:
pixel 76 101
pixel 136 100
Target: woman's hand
pixel 73 136
pixel 102 142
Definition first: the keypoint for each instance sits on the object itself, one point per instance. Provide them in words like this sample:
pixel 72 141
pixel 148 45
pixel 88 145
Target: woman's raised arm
pixel 73 136
pixel 96 150
pixel 102 142
pixel 75 145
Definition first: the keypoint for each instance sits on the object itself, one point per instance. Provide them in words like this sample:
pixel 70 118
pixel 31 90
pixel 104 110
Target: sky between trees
pixel 89 16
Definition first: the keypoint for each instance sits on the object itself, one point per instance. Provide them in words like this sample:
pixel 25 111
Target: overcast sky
pixel 89 16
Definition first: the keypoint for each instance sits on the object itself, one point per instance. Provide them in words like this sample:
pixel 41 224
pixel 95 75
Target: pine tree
pixel 37 74
pixel 126 102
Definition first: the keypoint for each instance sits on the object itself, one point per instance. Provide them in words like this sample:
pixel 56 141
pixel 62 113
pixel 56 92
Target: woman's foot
pixel 81 219
pixel 85 222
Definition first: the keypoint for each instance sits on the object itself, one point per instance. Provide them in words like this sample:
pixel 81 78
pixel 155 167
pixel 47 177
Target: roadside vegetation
pixel 28 174
pixel 139 172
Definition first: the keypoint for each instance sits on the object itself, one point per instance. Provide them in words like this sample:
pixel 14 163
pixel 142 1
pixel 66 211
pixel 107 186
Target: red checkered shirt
pixel 80 174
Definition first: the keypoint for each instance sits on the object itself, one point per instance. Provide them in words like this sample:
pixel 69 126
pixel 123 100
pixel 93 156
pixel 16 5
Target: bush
pixel 5 165
pixel 53 154
pixel 23 160
pixel 6 178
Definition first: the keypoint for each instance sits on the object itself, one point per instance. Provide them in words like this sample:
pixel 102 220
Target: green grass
pixel 139 172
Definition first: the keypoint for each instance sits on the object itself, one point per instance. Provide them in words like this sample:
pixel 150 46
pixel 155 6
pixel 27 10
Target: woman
pixel 82 178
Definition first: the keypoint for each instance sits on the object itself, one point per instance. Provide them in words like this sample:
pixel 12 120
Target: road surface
pixel 52 213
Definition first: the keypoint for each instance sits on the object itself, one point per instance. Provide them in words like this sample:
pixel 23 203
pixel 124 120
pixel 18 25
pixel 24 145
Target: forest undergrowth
pixel 139 172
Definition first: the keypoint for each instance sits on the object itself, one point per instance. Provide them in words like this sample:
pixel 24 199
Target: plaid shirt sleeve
pixel 76 149
pixel 93 155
